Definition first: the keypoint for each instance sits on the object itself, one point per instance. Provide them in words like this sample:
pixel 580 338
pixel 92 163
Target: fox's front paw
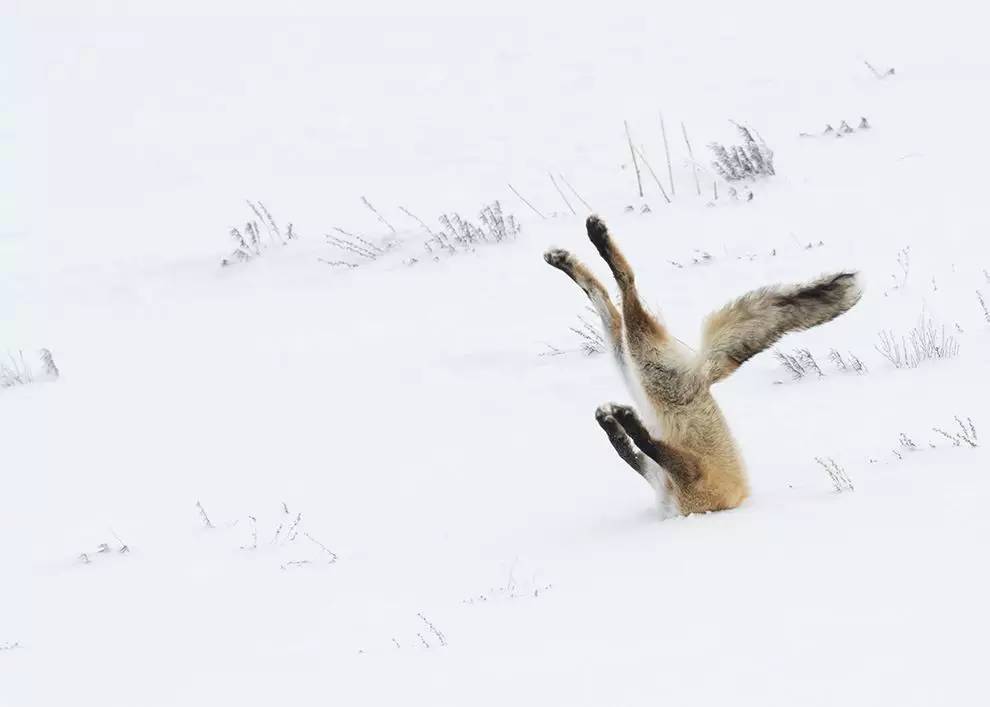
pixel 597 233
pixel 624 414
pixel 605 419
pixel 559 258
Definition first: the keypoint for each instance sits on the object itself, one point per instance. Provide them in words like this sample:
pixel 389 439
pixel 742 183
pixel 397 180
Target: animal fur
pixel 682 445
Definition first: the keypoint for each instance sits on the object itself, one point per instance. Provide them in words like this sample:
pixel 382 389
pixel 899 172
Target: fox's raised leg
pixel 620 440
pixel 641 327
pixel 682 466
pixel 664 368
pixel 585 279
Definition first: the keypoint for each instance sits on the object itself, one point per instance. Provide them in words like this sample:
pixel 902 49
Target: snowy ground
pixel 488 546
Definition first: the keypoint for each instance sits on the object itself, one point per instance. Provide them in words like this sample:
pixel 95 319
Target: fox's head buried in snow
pixel 695 466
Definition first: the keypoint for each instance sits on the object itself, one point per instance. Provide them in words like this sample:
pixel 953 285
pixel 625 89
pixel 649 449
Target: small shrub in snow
pixel 460 235
pixel 879 74
pixel 700 257
pixel 791 363
pixel 802 363
pixel 983 305
pixel 907 443
pixel 853 364
pixel 15 369
pixel 123 549
pixel 202 514
pixel 433 636
pixel 592 341
pixel 294 563
pixel 844 129
pixel 810 363
pixel 494 228
pixel 747 161
pixel 337 263
pixel 836 474
pixel 965 436
pixel 104 549
pixel 254 535
pixel 457 234
pixel 288 529
pixel 48 363
pixel 512 589
pixel 436 633
pixel 9 646
pixel 331 556
pixel 354 244
pixel 250 243
pixel 904 267
pixel 925 342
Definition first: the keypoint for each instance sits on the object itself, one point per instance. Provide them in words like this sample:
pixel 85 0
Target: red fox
pixel 696 466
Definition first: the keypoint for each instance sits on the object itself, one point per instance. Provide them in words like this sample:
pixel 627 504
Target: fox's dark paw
pixel 598 233
pixel 612 410
pixel 603 415
pixel 625 416
pixel 559 258
pixel 603 412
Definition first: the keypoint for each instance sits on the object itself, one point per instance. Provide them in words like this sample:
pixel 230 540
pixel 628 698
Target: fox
pixel 679 441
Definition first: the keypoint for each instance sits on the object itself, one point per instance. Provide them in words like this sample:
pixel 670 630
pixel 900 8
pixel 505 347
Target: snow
pixel 467 533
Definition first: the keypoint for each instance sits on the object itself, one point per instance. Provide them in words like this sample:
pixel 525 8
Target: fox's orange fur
pixel 695 466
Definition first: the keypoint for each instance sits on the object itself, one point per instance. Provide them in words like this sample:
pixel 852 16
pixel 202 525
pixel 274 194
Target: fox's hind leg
pixel 585 279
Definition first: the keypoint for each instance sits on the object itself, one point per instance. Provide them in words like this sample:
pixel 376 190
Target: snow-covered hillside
pixel 384 484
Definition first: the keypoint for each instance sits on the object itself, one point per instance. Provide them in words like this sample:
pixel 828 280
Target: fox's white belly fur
pixel 654 474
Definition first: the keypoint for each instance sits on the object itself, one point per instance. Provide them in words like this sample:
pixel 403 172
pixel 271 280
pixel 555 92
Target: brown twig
pixel 632 151
pixel 694 165
pixel 666 149
pixel 526 201
pixel 202 512
pixel 657 179
pixel 574 192
pixel 554 181
pixel 416 218
pixel 380 217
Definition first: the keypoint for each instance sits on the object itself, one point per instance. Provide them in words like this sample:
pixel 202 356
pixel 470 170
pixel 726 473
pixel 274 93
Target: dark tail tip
pixel 825 299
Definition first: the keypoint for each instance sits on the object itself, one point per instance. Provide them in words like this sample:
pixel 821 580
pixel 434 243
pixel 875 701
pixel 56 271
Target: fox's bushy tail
pixel 758 319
